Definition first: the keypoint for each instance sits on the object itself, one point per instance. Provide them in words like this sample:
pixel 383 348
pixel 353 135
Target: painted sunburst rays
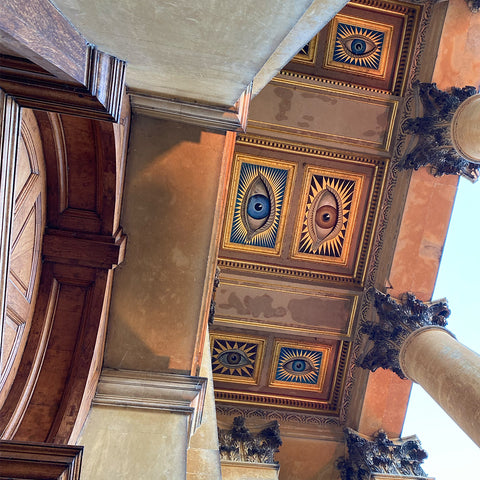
pixel 298 365
pixel 258 205
pixel 327 212
pixel 230 357
pixel 358 46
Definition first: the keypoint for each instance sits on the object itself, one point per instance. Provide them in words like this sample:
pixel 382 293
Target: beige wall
pixel 169 214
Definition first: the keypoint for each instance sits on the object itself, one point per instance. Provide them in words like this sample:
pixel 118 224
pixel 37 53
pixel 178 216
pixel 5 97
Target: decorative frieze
pixel 402 458
pixel 216 283
pixel 435 146
pixel 397 320
pixel 239 444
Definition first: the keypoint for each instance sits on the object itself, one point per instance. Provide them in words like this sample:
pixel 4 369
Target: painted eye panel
pixel 324 217
pixel 234 358
pixel 359 46
pixel 298 366
pixel 258 207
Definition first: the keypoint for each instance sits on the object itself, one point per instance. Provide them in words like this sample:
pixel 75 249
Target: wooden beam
pixel 39 461
pixel 46 64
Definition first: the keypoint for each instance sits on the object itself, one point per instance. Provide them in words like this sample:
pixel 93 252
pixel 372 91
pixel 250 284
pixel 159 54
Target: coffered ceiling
pixel 306 190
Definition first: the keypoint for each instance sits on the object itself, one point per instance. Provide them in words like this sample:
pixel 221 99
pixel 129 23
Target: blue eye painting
pixel 258 205
pixel 298 365
pixel 358 46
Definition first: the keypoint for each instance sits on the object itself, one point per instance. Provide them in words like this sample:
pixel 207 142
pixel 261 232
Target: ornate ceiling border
pixel 412 12
pixel 385 212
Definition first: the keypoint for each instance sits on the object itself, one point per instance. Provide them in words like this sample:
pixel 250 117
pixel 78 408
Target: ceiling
pixel 205 51
pixel 306 190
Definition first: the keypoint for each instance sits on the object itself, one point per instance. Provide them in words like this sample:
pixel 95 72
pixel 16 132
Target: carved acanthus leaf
pixel 396 322
pixel 239 444
pixel 380 455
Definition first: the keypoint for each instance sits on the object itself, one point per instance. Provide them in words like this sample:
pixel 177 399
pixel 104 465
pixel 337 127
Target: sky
pixel 451 453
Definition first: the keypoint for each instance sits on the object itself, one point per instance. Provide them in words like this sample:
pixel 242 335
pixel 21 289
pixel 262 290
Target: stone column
pixel 466 129
pixel 445 135
pixel 411 340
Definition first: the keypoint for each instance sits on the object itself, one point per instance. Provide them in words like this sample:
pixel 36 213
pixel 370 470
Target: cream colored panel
pixel 323 115
pixel 297 309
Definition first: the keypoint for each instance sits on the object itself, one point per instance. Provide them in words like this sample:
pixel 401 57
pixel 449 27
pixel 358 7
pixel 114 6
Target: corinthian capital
pixel 397 320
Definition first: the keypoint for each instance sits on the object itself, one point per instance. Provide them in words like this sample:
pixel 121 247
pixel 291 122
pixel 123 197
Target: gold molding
pixel 312 78
pixel 308 150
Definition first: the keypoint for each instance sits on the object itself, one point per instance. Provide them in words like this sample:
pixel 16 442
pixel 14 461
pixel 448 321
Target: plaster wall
pixel 126 443
pixel 458 62
pixel 309 459
pixel 169 214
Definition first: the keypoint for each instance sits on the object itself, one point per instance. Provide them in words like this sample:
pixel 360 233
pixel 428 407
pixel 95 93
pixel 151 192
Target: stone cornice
pixel 181 394
pixel 203 115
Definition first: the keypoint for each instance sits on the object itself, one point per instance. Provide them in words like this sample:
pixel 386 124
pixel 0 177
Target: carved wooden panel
pixel 77 238
pixel 37 461
pixel 46 63
pixel 25 247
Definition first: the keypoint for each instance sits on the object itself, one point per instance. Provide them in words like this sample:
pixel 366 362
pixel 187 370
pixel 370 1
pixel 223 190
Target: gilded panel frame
pixel 237 194
pixel 282 348
pixel 301 229
pixel 361 24
pixel 235 340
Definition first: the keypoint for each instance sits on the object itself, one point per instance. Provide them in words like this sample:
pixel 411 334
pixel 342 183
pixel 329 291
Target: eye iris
pixel 326 216
pixel 299 365
pixel 234 358
pixel 258 206
pixel 358 46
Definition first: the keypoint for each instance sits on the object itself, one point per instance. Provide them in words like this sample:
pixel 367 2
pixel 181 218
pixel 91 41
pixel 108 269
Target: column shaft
pixel 448 371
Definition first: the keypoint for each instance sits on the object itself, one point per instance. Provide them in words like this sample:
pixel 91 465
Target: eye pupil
pixel 358 46
pixel 258 206
pixel 326 216
pixel 233 358
pixel 299 365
